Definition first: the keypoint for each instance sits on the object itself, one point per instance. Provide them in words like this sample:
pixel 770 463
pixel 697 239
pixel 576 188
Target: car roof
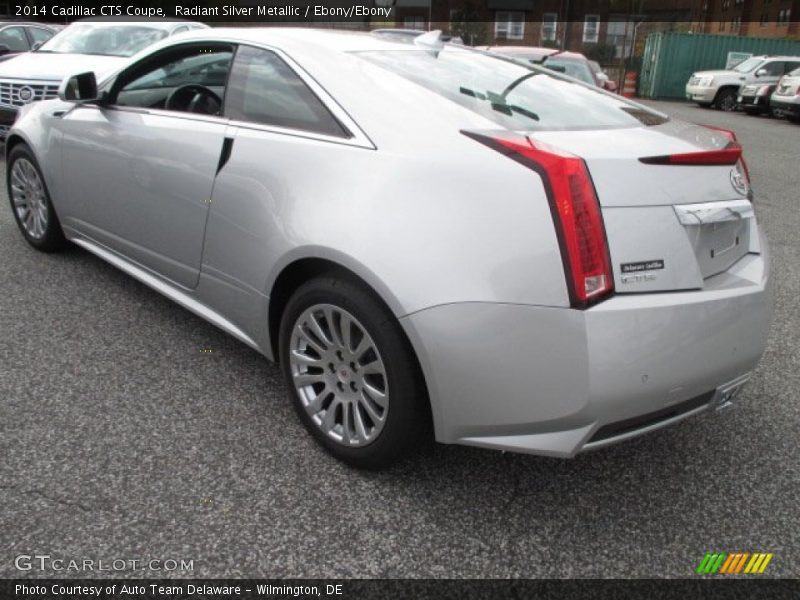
pixel 27 24
pixel 300 38
pixel 154 23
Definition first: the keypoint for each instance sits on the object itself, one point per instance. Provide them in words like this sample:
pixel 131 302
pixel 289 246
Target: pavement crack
pixel 55 499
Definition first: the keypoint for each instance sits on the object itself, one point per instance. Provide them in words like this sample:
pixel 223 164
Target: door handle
pixel 227 145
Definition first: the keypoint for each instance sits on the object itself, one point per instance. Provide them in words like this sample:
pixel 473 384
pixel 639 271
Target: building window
pixel 414 23
pixel 783 16
pixel 509 25
pixel 591 29
pixel 620 33
pixel 549 27
pixel 764 19
pixel 726 4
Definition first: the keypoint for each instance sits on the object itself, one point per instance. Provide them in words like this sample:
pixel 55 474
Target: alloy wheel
pixel 339 375
pixel 28 197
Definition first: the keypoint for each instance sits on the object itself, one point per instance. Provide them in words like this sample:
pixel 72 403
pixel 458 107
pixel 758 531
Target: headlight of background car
pixel 706 81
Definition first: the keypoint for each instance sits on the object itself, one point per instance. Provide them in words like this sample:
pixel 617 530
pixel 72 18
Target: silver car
pixel 423 235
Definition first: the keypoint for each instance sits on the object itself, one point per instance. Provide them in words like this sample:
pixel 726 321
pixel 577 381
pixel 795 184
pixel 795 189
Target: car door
pixel 138 173
pixel 291 141
pixel 774 70
pixel 14 38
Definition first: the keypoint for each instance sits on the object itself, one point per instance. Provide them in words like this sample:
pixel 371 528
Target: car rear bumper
pixel 557 381
pixel 702 94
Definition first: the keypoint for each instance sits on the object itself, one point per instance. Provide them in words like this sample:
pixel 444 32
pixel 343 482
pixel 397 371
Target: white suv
pixel 720 88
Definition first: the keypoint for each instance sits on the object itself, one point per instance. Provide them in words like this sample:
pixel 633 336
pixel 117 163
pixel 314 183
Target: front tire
pixel 726 100
pixel 30 201
pixel 351 373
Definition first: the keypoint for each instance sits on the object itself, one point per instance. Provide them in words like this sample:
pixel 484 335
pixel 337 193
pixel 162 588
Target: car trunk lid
pixel 669 226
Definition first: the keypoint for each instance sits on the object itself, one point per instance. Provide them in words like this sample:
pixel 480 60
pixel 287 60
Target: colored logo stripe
pixel 734 563
pixel 710 563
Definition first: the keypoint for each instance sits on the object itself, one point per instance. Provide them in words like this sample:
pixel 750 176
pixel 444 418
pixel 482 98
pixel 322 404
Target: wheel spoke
pixel 361 429
pixel 374 367
pixel 347 329
pixel 315 405
pixel 317 329
pixel 305 359
pixel 304 379
pixel 364 345
pixel 346 408
pixel 329 421
pixel 380 398
pixel 373 414
pixel 311 342
pixel 337 339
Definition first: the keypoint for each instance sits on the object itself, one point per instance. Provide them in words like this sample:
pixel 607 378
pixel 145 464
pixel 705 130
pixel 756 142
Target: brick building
pixel 585 24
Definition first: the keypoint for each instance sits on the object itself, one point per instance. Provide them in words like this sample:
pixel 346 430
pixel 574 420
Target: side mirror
pixel 36 46
pixel 79 88
pixel 4 49
pixel 761 72
pixel 556 68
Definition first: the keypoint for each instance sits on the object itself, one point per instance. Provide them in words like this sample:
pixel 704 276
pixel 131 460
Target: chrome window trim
pixel 358 137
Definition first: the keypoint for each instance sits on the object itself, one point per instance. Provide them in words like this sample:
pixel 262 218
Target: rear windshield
pixel 511 93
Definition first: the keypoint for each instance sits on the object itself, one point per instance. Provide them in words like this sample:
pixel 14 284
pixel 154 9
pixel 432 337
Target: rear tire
pixel 351 373
pixel 726 100
pixel 30 201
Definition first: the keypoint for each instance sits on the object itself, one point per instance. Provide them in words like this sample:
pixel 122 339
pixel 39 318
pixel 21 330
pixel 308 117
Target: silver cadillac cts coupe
pixel 423 235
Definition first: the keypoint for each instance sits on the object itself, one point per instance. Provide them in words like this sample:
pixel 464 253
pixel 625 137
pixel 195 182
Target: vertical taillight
pixel 575 210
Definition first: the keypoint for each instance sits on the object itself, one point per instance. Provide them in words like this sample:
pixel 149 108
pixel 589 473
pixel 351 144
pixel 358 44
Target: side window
pixel 14 38
pixel 264 89
pixel 39 35
pixel 191 79
pixel 791 66
pixel 774 68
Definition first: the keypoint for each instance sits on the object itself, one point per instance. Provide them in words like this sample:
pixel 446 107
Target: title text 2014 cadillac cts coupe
pixel 419 232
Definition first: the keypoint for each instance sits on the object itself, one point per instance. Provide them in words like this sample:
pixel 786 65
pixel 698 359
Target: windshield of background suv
pixel 748 65
pixel 513 94
pixel 103 38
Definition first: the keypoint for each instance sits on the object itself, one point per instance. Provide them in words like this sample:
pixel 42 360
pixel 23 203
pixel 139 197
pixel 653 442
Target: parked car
pixel 754 98
pixel 534 54
pixel 785 101
pixel 720 88
pixel 98 45
pixel 605 81
pixel 409 35
pixel 573 64
pixel 22 36
pixel 417 234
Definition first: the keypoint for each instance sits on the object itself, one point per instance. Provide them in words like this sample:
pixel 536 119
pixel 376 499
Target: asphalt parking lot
pixel 130 429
